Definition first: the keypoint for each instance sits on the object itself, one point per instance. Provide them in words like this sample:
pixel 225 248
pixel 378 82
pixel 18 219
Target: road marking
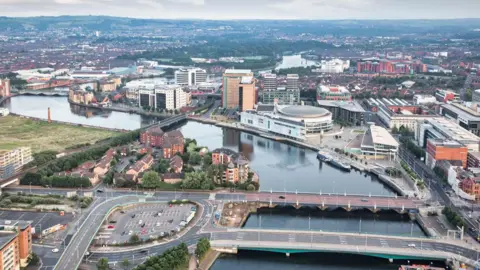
pixel 343 240
pixel 384 243
pixel 291 237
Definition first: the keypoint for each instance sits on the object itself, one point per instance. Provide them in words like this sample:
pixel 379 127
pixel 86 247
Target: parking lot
pixel 146 221
pixel 39 220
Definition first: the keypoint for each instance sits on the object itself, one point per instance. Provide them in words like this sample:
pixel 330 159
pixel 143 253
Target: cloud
pixel 248 9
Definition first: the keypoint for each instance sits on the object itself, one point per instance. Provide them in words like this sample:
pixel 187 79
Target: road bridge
pixel 333 201
pixel 388 247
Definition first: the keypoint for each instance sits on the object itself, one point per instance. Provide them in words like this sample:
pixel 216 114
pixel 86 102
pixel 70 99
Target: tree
pixel 162 166
pixel 203 246
pixel 207 160
pixel 33 259
pixel 197 180
pixel 195 158
pixel 102 264
pixel 125 263
pixel 150 179
pixel 134 239
pixel 250 187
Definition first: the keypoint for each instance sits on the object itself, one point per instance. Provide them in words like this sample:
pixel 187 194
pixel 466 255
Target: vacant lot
pixel 40 135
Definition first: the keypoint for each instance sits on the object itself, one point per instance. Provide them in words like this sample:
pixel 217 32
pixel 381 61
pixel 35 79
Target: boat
pixel 419 267
pixel 323 156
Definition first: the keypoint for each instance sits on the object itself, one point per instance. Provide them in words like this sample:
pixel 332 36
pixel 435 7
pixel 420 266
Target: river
pixel 280 167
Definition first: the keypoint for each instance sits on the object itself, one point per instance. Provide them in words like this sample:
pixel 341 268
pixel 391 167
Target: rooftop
pixel 302 111
pixel 332 88
pixel 445 143
pixel 246 79
pixel 238 71
pixel 352 106
pixel 381 136
pixel 453 130
pixel 6 238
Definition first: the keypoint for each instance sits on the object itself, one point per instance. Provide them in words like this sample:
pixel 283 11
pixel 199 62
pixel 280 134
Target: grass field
pixel 40 135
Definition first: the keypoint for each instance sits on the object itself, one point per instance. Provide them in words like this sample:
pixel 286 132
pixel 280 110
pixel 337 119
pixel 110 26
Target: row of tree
pixel 203 246
pixel 37 179
pixel 173 258
pixel 453 217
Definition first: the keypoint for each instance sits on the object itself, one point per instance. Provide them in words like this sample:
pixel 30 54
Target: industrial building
pixel 165 97
pixel 190 76
pixel 292 121
pixel 238 89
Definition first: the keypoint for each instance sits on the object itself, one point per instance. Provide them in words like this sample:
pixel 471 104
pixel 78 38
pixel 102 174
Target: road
pixel 345 240
pixel 433 182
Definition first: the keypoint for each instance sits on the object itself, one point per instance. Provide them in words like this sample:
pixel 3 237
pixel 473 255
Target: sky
pixel 248 9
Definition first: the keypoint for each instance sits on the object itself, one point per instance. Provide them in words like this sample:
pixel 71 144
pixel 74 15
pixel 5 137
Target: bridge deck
pixel 328 200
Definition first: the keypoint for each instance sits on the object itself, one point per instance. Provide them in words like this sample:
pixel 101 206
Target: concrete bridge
pixel 43 93
pixel 333 201
pixel 168 122
pixel 388 247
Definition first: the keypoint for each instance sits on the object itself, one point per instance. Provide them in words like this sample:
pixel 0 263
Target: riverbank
pixel 20 131
pixel 369 167
pixel 125 110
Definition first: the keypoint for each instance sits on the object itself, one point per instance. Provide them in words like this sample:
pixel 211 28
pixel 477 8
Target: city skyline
pixel 247 9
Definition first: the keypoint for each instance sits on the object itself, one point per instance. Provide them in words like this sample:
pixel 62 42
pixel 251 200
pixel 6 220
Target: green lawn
pixel 40 135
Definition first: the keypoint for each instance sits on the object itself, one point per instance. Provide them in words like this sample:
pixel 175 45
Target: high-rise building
pixel 238 89
pixel 292 82
pixel 169 97
pixel 269 82
pixel 11 161
pixel 190 76
pixel 4 87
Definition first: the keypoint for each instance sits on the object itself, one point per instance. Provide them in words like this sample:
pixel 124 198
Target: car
pixel 181 204
pixel 143 251
pixel 143 225
pixel 130 232
pixel 281 197
pixel 158 224
pixel 55 250
pixel 170 220
pixel 133 216
pixel 170 205
pixel 99 190
pixel 122 212
pixel 364 200
pixel 113 221
pixel 412 245
pixel 123 233
pixel 111 227
pixel 8 222
pixel 140 222
pixel 162 234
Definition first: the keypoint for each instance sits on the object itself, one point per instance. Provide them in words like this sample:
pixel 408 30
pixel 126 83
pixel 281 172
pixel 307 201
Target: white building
pixel 377 141
pixel 269 82
pixel 292 82
pixel 333 66
pixel 423 99
pixel 190 76
pixel 292 121
pixel 169 97
pixel 4 111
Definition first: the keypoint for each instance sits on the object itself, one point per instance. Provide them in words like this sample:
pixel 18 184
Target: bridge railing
pixel 322 193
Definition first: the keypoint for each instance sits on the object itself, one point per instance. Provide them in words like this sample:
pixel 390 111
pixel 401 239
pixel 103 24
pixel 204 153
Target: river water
pixel 280 167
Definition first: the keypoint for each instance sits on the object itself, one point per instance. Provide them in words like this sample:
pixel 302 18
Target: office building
pixel 333 92
pixel 292 82
pixel 12 161
pixel 446 96
pixel 450 150
pixel 190 76
pixel 423 99
pixel 5 87
pixel 444 129
pixel 238 90
pixel 281 96
pixel 291 121
pixel 269 82
pixel 467 117
pixel 163 97
pixel 397 113
pixel 378 142
pixel 348 112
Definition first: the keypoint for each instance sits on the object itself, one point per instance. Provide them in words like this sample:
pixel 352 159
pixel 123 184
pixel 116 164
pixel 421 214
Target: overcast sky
pixel 248 9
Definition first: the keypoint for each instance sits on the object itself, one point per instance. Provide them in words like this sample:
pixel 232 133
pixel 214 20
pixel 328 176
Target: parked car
pixel 140 222
pixel 55 250
pixel 281 197
pixel 113 221
pixel 111 227
pixel 133 216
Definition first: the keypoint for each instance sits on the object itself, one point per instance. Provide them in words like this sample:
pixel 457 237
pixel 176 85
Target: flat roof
pixel 453 130
pixel 6 238
pixel 381 136
pixel 445 143
pixel 352 106
pixel 238 71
